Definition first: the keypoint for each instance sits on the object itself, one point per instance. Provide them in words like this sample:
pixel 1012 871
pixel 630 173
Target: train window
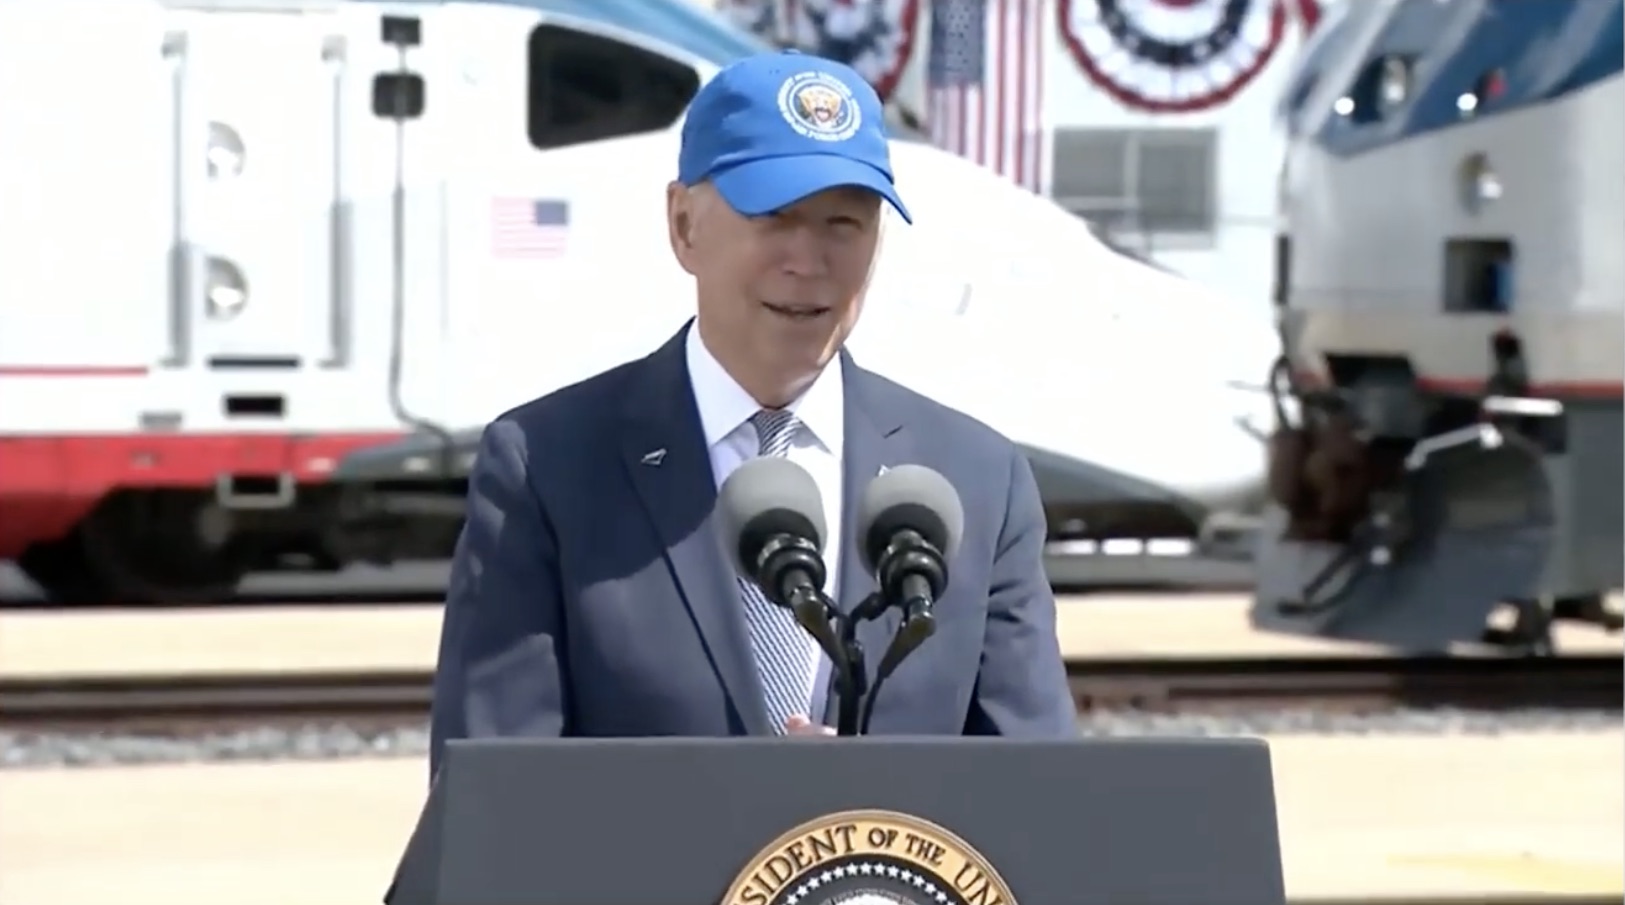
pixel 585 87
pixel 1383 86
pixel 1478 276
pixel 1320 51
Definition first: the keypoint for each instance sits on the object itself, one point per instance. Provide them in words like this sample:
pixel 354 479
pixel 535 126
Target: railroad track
pixel 1343 684
pixel 216 702
pixel 1497 899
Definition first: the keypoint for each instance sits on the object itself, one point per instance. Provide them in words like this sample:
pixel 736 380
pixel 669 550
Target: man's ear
pixel 680 224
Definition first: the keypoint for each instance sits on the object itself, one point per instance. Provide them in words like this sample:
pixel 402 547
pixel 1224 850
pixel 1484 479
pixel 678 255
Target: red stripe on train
pixel 74 370
pixel 1473 386
pixel 47 484
pixel 1556 389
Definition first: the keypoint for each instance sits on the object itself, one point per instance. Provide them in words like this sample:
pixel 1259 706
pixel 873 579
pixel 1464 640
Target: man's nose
pixel 806 253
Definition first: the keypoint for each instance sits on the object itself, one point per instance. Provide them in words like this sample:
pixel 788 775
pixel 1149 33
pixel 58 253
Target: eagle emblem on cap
pixel 818 105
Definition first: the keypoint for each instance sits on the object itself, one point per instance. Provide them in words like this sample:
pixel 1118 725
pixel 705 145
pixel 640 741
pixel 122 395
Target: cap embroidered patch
pixel 819 106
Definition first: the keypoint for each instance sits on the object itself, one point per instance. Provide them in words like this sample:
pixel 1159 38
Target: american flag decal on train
pixel 529 229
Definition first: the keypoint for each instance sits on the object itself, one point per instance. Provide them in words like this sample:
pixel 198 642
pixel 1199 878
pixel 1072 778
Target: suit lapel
pixel 664 451
pixel 876 437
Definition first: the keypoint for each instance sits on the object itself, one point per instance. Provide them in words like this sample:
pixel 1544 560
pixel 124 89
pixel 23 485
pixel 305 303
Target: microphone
pixel 772 520
pixel 910 522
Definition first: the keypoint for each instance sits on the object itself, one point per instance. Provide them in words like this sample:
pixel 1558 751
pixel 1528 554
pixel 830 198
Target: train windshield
pixel 681 23
pixel 690 27
pixel 1515 52
pixel 1336 29
pixel 1435 64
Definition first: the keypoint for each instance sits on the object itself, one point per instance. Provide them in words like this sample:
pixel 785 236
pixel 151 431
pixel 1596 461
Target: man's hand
pixel 800 725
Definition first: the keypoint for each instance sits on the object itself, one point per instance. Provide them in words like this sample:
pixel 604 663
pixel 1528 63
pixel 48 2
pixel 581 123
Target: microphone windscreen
pixel 909 497
pixel 763 498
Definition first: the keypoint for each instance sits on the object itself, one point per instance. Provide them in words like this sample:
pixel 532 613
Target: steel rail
pixel 1456 899
pixel 111 703
pixel 1590 682
pixel 205 701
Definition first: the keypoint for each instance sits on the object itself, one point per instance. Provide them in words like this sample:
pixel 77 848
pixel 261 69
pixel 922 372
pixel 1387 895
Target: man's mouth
pixel 796 312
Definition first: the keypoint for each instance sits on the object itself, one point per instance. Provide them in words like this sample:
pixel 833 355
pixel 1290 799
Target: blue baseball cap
pixel 774 128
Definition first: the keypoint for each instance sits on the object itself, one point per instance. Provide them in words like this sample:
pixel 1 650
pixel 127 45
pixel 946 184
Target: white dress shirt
pixel 725 411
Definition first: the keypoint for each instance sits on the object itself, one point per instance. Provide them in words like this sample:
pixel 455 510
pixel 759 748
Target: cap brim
pixel 763 186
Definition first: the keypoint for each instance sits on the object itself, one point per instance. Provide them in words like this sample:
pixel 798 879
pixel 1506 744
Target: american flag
pixel 985 82
pixel 529 228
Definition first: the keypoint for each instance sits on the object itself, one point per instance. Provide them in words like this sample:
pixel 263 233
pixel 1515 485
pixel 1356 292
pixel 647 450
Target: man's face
pixel 782 291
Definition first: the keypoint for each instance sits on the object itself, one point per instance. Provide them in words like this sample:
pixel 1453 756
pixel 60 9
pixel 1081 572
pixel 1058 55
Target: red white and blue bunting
pixel 875 37
pixel 1177 56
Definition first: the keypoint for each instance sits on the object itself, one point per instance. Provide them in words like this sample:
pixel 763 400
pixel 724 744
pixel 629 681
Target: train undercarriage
pixel 1405 514
pixel 175 546
pixel 403 502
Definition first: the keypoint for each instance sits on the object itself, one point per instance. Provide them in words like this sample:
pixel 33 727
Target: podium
pixel 862 821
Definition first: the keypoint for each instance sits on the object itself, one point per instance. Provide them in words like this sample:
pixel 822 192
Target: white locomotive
pixel 257 240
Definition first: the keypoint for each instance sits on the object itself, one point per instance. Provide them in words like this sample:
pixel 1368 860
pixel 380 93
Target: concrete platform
pixel 319 638
pixel 1373 818
pixel 185 641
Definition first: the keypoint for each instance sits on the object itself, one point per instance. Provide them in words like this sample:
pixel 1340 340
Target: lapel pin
pixel 654 457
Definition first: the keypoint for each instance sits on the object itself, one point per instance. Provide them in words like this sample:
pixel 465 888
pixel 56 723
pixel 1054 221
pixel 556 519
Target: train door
pixel 82 216
pixel 256 187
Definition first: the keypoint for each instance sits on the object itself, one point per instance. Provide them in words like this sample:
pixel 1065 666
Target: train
pixel 275 259
pixel 1451 298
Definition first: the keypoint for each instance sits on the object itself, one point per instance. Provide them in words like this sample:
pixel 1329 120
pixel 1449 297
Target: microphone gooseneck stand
pixel 910 576
pixel 911 633
pixel 851 683
pixel 854 696
pixel 792 568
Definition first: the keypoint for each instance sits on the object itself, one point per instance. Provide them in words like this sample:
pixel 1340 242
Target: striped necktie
pixel 786 656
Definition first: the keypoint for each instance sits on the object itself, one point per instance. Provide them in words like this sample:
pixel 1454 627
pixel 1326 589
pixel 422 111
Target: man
pixel 590 595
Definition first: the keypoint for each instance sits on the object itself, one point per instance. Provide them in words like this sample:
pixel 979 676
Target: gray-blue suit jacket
pixel 590 595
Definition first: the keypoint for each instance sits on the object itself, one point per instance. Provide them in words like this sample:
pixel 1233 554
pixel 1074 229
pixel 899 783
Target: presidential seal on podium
pixel 869 858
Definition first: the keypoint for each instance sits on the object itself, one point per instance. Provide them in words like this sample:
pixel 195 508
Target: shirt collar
pixel 724 405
